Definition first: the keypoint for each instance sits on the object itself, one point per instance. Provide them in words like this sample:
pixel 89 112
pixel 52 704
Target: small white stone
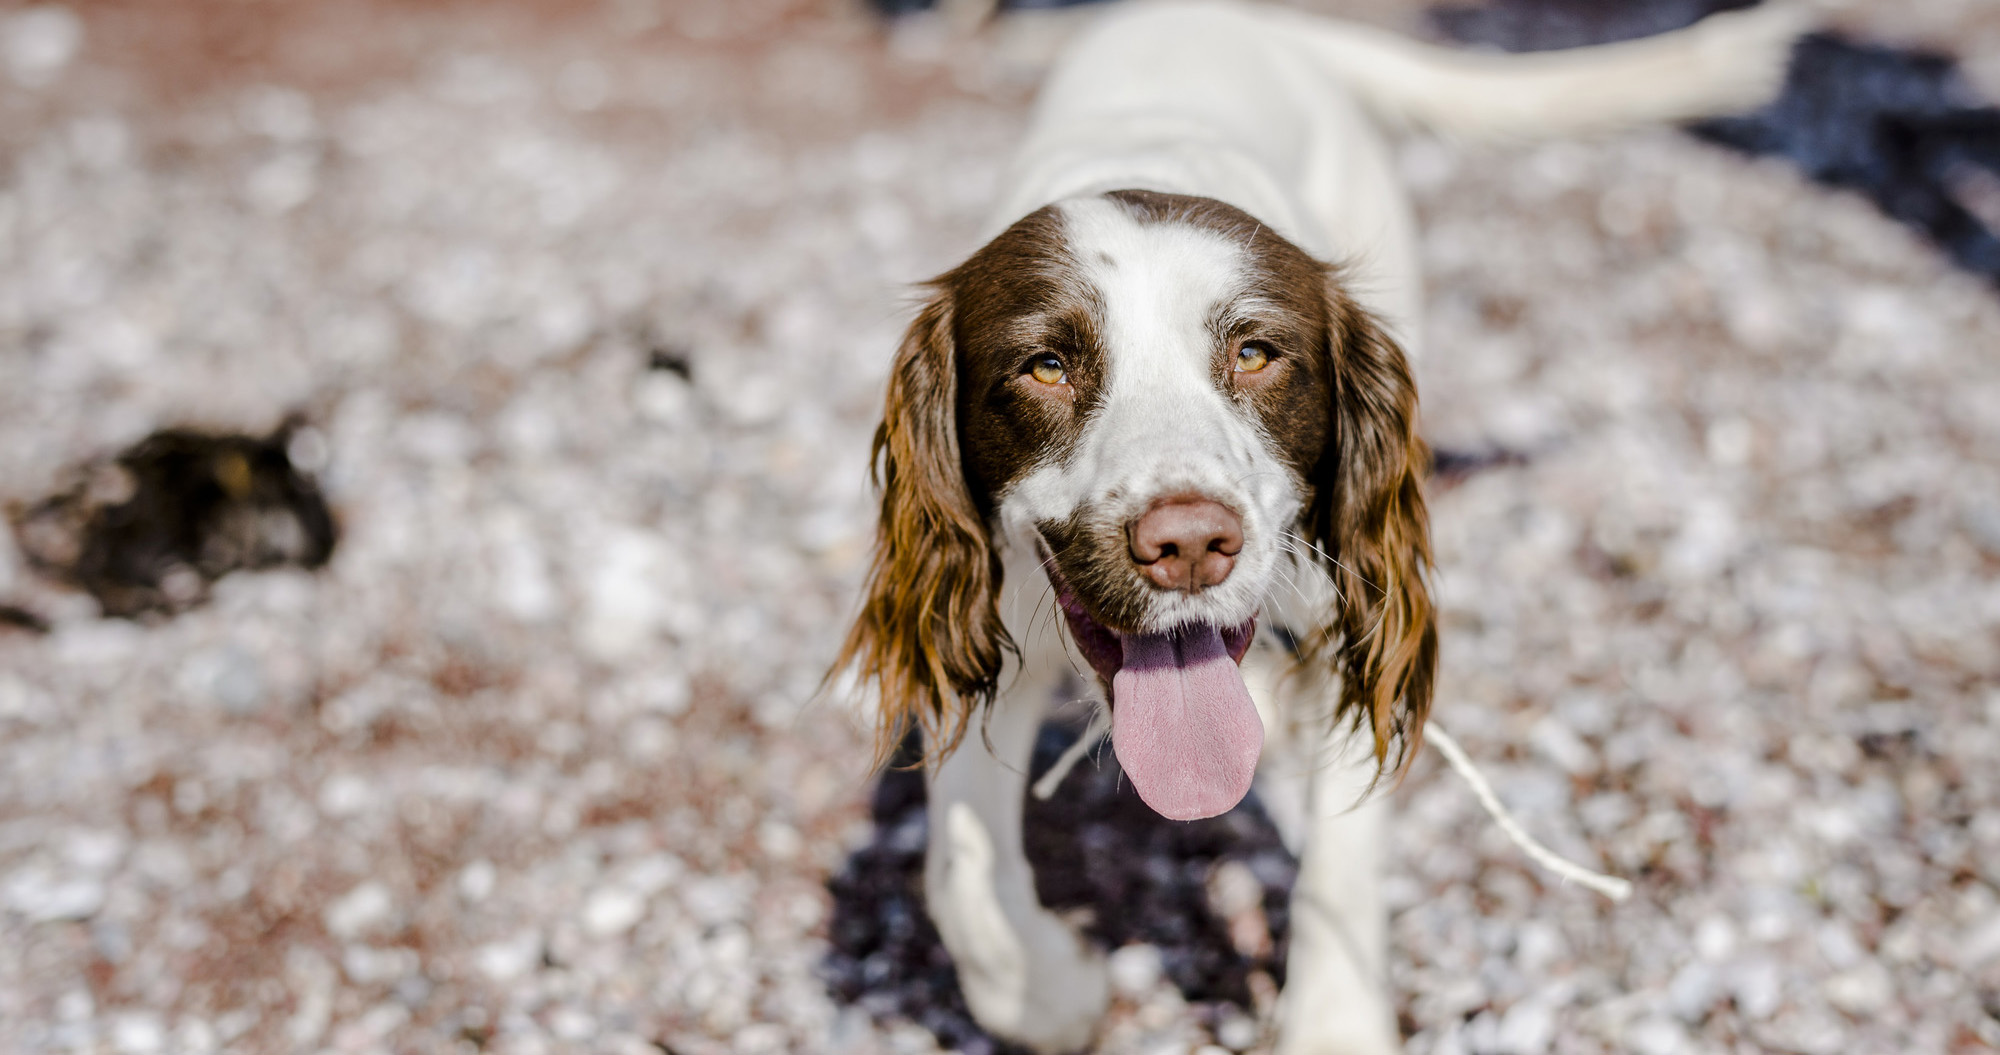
pixel 1237 1032
pixel 1729 441
pixel 1715 938
pixel 380 1021
pixel 1526 1028
pixel 312 980
pixel 196 1037
pixel 362 909
pixel 1758 987
pixel 715 900
pixel 95 851
pixel 572 1024
pixel 521 583
pixel 1692 992
pixel 762 1038
pixel 45 897
pixel 1656 1036
pixel 75 1006
pixel 1837 943
pixel 730 946
pixel 476 880
pixel 664 399
pixel 778 840
pixel 345 795
pixel 626 599
pixel 39 42
pixel 283 183
pixel 666 694
pixel 1135 970
pixel 1559 745
pixel 505 961
pixel 1980 944
pixel 648 740
pixel 367 965
pixel 230 677
pixel 612 910
pixel 1233 889
pixel 137 1033
pixel 1861 990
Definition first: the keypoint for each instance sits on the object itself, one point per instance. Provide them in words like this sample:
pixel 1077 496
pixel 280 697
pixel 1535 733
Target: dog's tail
pixel 1727 63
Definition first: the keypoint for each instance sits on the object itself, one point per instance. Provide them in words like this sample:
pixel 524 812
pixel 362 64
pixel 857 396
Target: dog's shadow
pixel 1098 851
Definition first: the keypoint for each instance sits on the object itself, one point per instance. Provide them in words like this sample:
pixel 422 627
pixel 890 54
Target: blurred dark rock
pixel 1900 126
pixel 1548 25
pixel 149 531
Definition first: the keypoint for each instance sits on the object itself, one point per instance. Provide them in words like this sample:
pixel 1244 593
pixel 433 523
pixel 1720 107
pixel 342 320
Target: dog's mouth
pixel 1182 721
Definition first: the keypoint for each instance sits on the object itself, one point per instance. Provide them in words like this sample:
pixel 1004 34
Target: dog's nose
pixel 1186 543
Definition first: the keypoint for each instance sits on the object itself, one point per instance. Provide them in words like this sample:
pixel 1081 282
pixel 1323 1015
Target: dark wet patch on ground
pixel 1903 127
pixel 1097 850
pixel 149 531
pixel 1548 25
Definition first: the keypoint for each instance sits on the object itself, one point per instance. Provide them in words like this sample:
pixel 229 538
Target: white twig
pixel 1610 886
pixel 1100 723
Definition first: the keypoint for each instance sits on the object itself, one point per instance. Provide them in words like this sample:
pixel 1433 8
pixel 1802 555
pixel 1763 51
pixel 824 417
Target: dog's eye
pixel 1049 370
pixel 1255 356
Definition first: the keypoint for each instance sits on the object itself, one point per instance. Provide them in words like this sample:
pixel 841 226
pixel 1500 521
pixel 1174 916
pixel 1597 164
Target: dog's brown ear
pixel 929 639
pixel 1369 522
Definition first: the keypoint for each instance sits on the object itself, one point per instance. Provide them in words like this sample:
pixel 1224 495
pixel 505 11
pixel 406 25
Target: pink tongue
pixel 1182 723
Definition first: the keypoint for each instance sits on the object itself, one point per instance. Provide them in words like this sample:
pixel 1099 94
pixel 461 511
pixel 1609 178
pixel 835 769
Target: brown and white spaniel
pixel 1154 404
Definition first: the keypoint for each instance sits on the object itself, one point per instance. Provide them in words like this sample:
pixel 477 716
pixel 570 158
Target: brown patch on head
pixel 1020 301
pixel 965 418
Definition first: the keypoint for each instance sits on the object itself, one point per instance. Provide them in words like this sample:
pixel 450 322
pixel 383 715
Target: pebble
pixel 1135 970
pixel 506 961
pixel 612 910
pixel 365 908
pixel 1656 1036
pixel 45 897
pixel 137 1033
pixel 1862 990
pixel 39 42
pixel 476 881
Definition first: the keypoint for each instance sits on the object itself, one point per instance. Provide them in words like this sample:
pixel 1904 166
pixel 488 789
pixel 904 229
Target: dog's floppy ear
pixel 929 639
pixel 1368 521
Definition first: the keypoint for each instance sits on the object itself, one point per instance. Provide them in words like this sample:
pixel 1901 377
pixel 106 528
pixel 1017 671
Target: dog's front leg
pixel 1336 997
pixel 1026 974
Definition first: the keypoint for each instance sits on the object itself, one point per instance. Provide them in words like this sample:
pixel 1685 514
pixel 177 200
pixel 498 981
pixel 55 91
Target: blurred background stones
pixel 589 307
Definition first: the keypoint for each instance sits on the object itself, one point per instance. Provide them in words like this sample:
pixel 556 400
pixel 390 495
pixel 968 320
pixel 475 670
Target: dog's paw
pixel 1026 975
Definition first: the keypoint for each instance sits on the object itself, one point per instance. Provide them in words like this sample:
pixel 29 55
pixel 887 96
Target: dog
pixel 1161 429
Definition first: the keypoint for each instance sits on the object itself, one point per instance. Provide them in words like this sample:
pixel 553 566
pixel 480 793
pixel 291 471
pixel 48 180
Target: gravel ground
pixel 589 308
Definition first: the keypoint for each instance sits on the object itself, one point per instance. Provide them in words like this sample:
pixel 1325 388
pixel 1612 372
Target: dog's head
pixel 1182 413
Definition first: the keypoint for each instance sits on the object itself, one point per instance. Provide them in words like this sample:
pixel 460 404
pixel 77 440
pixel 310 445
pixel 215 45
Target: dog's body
pixel 1148 392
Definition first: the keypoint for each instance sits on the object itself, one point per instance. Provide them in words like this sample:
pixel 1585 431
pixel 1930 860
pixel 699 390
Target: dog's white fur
pixel 1282 115
pixel 1163 427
